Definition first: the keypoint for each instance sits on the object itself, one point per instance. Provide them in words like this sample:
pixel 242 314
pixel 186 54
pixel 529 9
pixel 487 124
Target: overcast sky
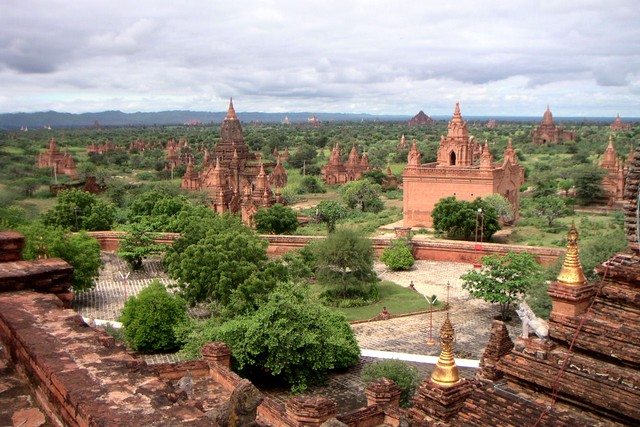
pixel 397 57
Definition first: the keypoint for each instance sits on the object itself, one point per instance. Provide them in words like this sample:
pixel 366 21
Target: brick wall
pixel 432 250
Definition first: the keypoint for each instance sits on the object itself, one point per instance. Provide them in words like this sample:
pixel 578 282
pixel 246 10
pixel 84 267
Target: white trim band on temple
pixel 420 358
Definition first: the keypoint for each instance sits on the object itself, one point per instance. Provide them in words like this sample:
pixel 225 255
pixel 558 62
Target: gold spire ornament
pixel 446 373
pixel 571 273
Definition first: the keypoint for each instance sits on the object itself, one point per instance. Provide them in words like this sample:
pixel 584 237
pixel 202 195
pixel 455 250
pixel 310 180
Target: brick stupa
pixel 549 133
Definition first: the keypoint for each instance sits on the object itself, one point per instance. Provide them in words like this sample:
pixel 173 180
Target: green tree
pixel 213 258
pixel 398 256
pixel 310 184
pixel 345 258
pixel 502 207
pixel 305 154
pixel 78 210
pixel 150 317
pixel 565 185
pixel 550 207
pixel 79 250
pixel 27 186
pixel 363 195
pixel 330 212
pixel 405 376
pixel 459 219
pixel 136 245
pixel 290 336
pixel 502 279
pixel 276 219
pixel 588 182
pixel 375 175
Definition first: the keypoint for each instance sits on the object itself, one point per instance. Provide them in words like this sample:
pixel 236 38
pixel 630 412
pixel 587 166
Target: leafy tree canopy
pixel 78 249
pixel 362 194
pixel 78 210
pixel 550 207
pixel 503 279
pixel 215 257
pixel 276 219
pixel 330 212
pixel 150 317
pixel 289 336
pixel 458 219
pixel 345 258
pixel 136 245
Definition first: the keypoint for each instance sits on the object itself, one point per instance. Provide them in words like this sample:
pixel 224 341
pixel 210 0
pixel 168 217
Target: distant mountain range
pixel 178 117
pixel 12 121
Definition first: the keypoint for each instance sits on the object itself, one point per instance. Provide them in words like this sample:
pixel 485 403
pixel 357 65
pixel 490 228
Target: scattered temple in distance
pixel 336 172
pixel 548 133
pixel 464 169
pixel 235 179
pixel 613 181
pixel 618 125
pixel 420 119
pixel 62 163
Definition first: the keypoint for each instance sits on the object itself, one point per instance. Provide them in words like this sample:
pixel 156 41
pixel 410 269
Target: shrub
pixel 310 184
pixel 150 317
pixel 77 210
pixel 79 249
pixel 345 260
pixel 289 337
pixel 459 219
pixel 277 219
pixel 136 245
pixel 406 377
pixel 398 256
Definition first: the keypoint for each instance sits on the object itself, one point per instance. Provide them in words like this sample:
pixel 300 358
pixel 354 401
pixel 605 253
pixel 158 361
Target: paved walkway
pixel 471 317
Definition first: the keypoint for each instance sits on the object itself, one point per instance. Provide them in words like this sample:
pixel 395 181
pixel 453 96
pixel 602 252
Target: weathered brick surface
pixel 499 344
pixel 43 275
pixel 11 244
pixel 607 389
pixel 495 407
pixel 82 382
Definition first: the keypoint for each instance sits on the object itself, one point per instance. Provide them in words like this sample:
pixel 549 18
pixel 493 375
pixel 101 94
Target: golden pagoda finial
pixel 446 373
pixel 571 273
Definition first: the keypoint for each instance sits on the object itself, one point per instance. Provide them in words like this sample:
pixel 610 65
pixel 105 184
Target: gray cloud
pixel 394 57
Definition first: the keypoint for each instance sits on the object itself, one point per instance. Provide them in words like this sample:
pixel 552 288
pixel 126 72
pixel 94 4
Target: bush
pixel 458 219
pixel 79 249
pixel 406 377
pixel 310 184
pixel 289 337
pixel 398 256
pixel 77 210
pixel 345 260
pixel 150 317
pixel 136 245
pixel 277 219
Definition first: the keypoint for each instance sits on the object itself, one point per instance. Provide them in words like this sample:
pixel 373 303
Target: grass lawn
pixel 397 299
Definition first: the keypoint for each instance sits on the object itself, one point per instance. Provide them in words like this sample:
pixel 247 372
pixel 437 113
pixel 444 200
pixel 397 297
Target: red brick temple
pixel 613 181
pixel 337 172
pixel 62 163
pixel 549 133
pixel 618 125
pixel 236 181
pixel 464 169
pixel 420 119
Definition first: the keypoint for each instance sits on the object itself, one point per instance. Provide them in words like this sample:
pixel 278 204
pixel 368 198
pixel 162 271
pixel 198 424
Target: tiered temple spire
pixel 446 372
pixel 571 273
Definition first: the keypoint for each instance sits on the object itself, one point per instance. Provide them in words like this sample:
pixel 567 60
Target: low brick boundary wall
pixel 423 249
